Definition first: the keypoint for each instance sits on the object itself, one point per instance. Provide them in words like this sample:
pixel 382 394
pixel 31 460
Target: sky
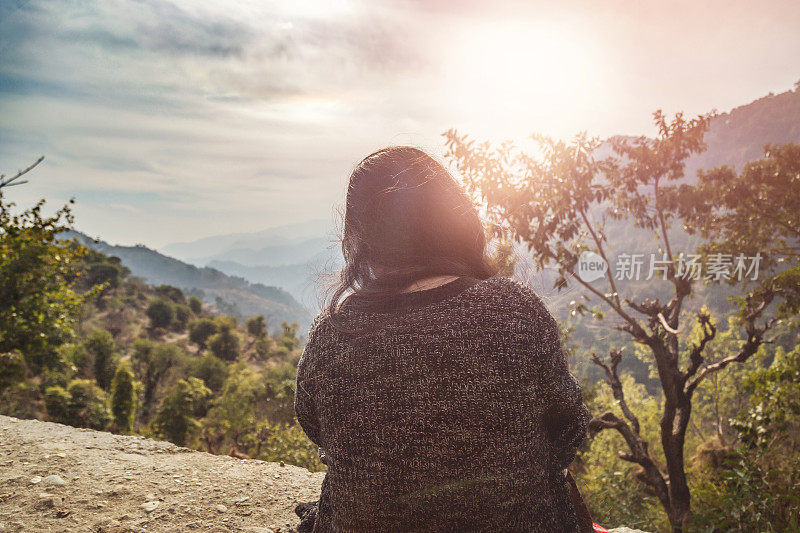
pixel 172 120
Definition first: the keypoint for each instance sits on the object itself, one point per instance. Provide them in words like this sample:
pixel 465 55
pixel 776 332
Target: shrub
pixel 123 398
pixel 257 326
pixel 225 344
pixel 161 313
pixel 104 355
pixel 175 420
pixel 182 315
pixel 211 370
pixel 196 305
pixel 82 404
pixel 201 330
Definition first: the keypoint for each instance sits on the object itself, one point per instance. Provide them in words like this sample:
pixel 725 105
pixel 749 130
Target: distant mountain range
pixel 237 295
pixel 294 257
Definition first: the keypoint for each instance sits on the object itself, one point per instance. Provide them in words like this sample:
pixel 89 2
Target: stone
pixel 54 480
pixel 149 507
pixel 45 501
pixel 36 479
pixel 221 508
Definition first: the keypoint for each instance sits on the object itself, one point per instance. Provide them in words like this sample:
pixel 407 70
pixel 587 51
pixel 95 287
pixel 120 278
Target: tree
pixel 176 420
pixel 232 416
pixel 124 398
pixel 289 338
pixel 161 313
pixel 153 363
pixel 82 404
pixel 195 305
pixel 754 212
pixel 211 370
pixel 557 204
pixel 38 306
pixel 225 344
pixel 257 326
pixel 201 330
pixel 182 315
pixel 104 355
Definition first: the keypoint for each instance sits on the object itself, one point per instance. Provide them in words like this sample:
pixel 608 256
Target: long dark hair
pixel 406 218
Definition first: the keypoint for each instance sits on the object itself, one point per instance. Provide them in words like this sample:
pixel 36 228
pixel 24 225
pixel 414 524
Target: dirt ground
pixel 60 478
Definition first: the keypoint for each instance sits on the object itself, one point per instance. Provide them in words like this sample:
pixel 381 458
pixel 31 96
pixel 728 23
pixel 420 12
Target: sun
pixel 501 74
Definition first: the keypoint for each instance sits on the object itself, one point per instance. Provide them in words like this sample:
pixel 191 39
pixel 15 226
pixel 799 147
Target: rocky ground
pixel 59 478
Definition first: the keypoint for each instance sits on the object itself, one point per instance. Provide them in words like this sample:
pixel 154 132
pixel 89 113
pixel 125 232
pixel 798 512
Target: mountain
pixel 237 295
pixel 217 246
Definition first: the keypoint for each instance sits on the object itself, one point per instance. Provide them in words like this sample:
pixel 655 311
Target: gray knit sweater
pixel 457 412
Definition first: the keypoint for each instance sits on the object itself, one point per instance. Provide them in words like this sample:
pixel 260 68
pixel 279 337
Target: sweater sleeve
pixel 565 417
pixel 304 406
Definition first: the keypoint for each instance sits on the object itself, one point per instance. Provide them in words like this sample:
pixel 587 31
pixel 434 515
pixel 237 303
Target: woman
pixel 437 392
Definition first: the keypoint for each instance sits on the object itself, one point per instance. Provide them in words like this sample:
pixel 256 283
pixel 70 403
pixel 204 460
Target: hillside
pixel 245 298
pixel 111 481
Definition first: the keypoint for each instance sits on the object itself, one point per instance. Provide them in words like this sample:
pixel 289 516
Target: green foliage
pixel 257 326
pixel 176 420
pixel 82 404
pixel 173 294
pixel 212 370
pixel 263 347
pixel 12 369
pixel 235 407
pixel 287 443
pixel 754 212
pixel 201 330
pixel 182 315
pixel 99 269
pixel 124 398
pixel 38 306
pixel 226 344
pixel 289 338
pixel 196 305
pixel 773 415
pixel 103 352
pixel 610 485
pixel 747 497
pixel 161 313
pixel 154 364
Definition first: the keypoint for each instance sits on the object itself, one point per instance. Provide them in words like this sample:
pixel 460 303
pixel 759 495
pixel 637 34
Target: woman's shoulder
pixel 504 295
pixel 502 287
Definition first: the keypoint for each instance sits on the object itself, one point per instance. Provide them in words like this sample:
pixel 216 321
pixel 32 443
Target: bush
pixel 196 305
pixel 257 326
pixel 182 315
pixel 82 404
pixel 264 347
pixel 103 351
pixel 201 330
pixel 123 398
pixel 211 370
pixel 225 344
pixel 171 293
pixel 175 420
pixel 161 313
pixel 287 443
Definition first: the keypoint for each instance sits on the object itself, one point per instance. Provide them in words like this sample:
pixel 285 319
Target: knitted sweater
pixel 456 412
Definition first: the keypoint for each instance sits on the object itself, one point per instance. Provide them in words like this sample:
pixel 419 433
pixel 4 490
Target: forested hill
pixel 232 295
pixel 736 137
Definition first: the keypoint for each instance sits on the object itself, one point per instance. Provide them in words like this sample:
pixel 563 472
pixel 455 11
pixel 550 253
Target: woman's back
pixel 455 412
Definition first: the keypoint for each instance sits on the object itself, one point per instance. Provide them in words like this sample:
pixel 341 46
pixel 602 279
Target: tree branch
pixel 10 182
